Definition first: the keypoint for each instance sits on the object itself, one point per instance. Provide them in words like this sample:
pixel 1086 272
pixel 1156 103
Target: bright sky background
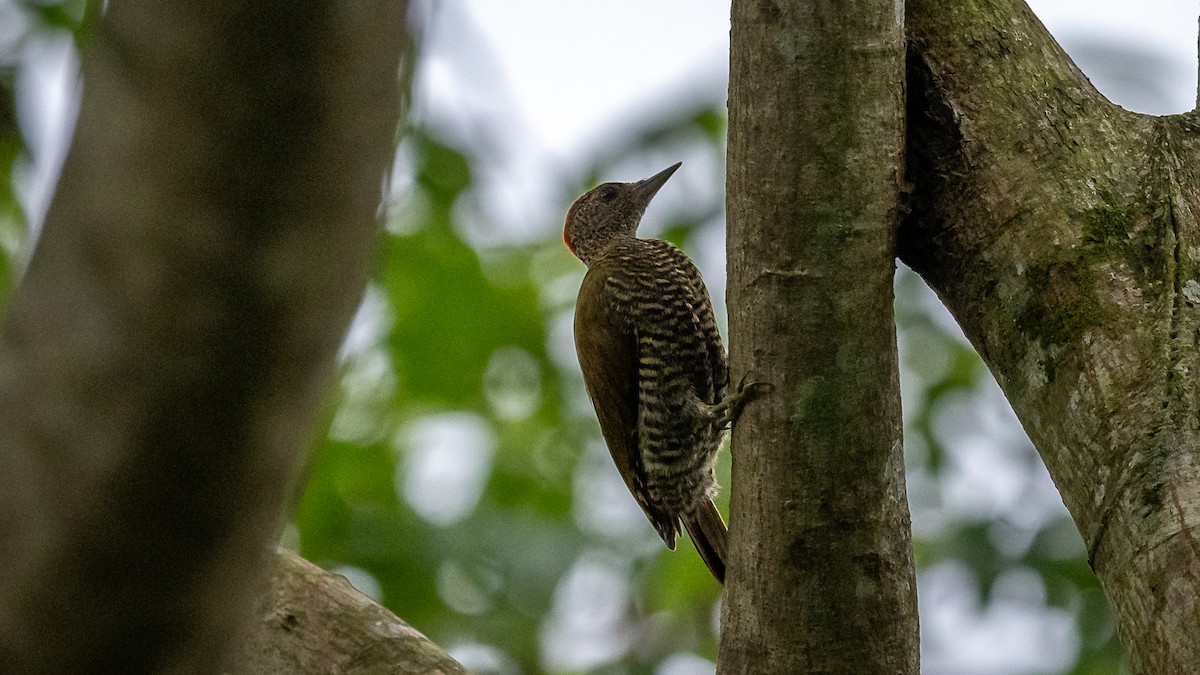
pixel 552 79
pixel 542 84
pixel 572 68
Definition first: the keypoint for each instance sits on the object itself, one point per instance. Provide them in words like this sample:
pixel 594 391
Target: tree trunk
pixel 1061 231
pixel 162 359
pixel 821 573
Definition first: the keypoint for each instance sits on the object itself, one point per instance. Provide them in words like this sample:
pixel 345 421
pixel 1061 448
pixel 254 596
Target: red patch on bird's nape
pixel 567 227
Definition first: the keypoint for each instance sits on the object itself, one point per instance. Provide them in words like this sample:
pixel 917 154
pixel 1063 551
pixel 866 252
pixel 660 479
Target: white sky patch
pixel 446 461
pixel 369 325
pixel 48 104
pixel 685 664
pixel 361 580
pixel 571 66
pixel 483 658
pixel 586 626
pixel 1014 633
pixel 1163 28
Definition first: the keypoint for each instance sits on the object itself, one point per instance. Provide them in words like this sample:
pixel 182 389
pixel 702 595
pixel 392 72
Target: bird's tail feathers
pixel 707 530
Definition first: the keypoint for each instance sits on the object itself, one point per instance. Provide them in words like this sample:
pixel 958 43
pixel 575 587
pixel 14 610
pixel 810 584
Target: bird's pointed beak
pixel 646 189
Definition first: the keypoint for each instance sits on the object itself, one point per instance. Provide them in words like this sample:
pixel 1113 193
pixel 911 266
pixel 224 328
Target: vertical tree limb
pixel 162 359
pixel 821 576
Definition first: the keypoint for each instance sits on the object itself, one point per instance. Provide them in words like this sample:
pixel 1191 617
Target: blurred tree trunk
pixel 821 576
pixel 163 356
pixel 1062 233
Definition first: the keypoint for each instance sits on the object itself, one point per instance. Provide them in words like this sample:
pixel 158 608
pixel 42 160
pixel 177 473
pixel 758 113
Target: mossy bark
pixel 821 574
pixel 1061 231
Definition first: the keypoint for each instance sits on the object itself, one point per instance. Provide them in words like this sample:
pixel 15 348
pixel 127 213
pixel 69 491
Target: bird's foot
pixel 725 412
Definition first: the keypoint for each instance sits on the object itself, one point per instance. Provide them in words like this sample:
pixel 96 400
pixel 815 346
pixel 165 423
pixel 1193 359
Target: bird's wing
pixel 717 367
pixel 710 376
pixel 606 344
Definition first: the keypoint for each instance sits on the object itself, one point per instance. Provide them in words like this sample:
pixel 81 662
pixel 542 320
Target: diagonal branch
pixel 313 621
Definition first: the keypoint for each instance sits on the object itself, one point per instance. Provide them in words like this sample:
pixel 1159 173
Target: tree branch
pixel 313 621
pixel 821 574
pixel 1061 232
pixel 163 356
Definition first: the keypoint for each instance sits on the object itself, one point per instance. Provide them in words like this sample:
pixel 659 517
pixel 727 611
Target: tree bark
pixel 821 574
pixel 315 622
pixel 162 359
pixel 1061 231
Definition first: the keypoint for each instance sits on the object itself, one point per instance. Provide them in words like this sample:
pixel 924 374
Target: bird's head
pixel 609 211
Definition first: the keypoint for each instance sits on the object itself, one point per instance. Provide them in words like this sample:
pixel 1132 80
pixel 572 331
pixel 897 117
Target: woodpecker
pixel 653 363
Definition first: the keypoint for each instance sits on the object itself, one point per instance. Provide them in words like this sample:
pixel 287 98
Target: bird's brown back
pixel 649 350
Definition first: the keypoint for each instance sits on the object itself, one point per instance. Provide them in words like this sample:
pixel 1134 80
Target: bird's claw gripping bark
pixel 726 411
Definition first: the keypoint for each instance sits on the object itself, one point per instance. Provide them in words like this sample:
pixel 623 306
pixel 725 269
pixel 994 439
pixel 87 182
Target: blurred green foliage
pixel 463 337
pixel 461 477
pixel 12 151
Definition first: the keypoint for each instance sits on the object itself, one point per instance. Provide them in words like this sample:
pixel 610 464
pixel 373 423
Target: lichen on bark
pixel 1061 230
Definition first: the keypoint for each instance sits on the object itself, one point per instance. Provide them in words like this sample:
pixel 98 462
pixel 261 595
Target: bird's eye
pixel 608 193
